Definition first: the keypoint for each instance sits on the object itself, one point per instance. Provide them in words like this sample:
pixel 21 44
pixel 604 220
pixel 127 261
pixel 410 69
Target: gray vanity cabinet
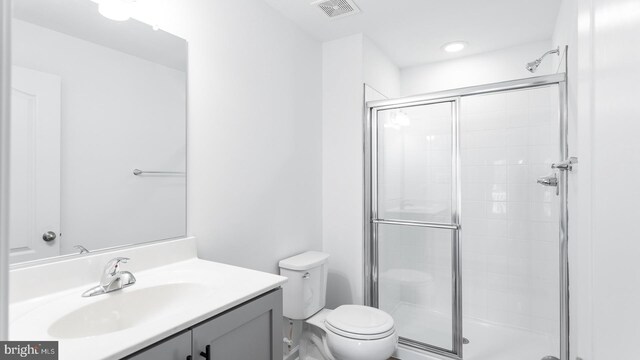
pixel 251 331
pixel 175 348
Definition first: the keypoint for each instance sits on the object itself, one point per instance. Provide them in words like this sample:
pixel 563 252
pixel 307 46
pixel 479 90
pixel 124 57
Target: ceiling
pixel 80 19
pixel 412 32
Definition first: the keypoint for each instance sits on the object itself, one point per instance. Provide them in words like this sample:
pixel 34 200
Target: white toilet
pixel 350 332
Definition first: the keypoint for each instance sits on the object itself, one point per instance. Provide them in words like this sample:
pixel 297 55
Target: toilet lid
pixel 360 322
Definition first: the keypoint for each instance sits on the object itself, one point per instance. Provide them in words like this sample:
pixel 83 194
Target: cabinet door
pixel 252 331
pixel 175 348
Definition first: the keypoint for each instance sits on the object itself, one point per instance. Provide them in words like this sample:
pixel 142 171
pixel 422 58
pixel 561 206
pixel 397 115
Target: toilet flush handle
pixel 306 275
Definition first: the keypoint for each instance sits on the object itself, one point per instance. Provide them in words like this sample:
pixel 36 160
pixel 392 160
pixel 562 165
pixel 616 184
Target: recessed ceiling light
pixel 454 46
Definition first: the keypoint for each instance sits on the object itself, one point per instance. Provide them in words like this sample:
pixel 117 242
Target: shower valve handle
pixel 566 165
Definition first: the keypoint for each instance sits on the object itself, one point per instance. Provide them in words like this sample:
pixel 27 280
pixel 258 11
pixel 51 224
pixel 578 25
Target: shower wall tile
pixel 493 174
pixel 518 192
pixel 510 223
pixel 518 155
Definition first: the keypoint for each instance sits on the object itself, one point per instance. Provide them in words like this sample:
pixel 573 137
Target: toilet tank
pixel 304 294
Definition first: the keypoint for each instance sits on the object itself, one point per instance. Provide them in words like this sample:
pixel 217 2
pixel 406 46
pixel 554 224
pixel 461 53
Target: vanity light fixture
pixel 118 10
pixel 455 46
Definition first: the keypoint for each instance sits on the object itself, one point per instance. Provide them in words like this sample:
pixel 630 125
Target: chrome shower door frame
pixel 371 204
pixel 371 220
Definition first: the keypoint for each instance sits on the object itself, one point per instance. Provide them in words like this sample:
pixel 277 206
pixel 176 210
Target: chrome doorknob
pixel 49 236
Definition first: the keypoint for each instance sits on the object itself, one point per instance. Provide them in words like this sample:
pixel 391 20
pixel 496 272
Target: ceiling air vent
pixel 337 8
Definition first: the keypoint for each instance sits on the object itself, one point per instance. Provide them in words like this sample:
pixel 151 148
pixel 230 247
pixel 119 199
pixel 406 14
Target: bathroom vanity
pixel 180 307
pixel 249 331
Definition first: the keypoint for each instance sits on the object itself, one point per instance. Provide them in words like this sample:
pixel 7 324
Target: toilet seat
pixel 360 322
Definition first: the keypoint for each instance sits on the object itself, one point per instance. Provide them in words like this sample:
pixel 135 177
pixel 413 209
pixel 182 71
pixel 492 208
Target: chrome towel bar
pixel 137 172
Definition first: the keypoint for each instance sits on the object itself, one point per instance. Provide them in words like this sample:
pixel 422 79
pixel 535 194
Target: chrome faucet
pixel 82 249
pixel 112 278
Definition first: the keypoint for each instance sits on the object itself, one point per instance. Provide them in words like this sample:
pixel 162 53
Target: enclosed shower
pixel 464 248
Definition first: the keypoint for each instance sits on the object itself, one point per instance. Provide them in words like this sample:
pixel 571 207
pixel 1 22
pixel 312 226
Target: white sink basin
pixel 165 300
pixel 120 310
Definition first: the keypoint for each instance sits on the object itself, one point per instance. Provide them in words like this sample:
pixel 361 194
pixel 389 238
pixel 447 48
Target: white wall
pixel 495 66
pixel 342 168
pixel 119 112
pixel 254 130
pixel 348 63
pixel 380 72
pixel 614 172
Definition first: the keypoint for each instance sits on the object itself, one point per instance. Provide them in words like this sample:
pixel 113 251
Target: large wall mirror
pixel 98 131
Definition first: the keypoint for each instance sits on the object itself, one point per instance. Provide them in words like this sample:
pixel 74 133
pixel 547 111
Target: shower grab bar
pixel 418 224
pixel 138 172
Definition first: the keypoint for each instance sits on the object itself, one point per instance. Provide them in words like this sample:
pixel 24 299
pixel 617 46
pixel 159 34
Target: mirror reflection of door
pixel 121 106
pixel 34 203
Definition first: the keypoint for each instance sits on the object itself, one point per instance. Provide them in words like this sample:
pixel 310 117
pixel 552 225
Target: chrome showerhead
pixel 533 66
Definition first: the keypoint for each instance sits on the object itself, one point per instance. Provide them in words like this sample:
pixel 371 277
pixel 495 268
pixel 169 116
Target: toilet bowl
pixel 350 332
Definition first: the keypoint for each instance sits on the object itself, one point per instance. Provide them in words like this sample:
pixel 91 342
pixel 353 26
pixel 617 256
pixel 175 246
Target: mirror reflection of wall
pixel 93 99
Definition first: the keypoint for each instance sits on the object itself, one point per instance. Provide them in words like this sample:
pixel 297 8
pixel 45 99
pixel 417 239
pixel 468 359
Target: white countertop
pixel 220 287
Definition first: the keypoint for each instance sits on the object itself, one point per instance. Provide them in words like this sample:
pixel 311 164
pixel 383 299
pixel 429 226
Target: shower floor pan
pixel 486 341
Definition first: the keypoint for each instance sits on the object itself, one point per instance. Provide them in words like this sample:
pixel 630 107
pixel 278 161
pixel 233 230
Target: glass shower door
pixel 485 151
pixel 510 246
pixel 415 222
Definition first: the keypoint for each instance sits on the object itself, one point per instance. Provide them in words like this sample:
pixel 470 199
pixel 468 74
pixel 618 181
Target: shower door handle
pixel 551 180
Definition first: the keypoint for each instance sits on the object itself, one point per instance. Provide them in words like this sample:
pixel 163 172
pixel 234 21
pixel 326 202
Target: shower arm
pixel 554 51
pixel 533 66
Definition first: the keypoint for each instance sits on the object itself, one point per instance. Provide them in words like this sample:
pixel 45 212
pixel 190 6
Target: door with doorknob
pixel 34 201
